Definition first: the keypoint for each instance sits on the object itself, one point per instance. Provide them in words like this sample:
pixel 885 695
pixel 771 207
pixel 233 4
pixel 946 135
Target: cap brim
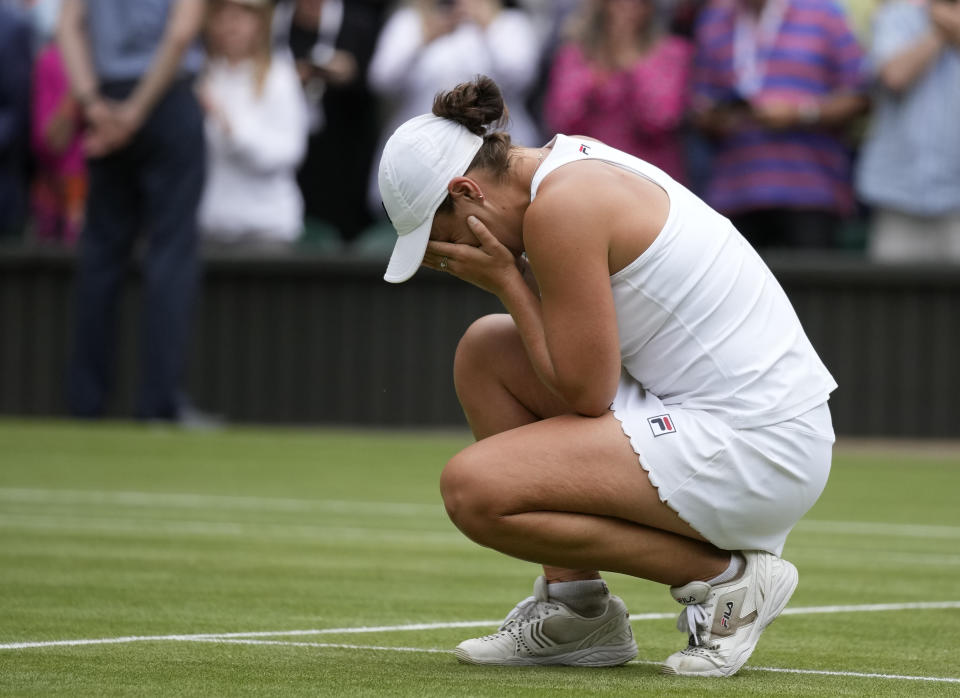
pixel 408 253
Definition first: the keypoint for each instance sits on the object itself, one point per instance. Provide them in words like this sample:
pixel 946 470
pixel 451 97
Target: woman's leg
pixel 563 490
pixel 495 382
pixel 568 492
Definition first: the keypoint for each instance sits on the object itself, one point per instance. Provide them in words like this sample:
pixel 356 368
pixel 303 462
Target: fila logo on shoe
pixel 728 622
pixel 661 424
pixel 725 619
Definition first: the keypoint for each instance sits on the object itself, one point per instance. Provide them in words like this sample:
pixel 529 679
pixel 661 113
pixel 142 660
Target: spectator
pixel 909 169
pixel 256 124
pixel 775 81
pixel 59 190
pixel 43 16
pixel 552 19
pixel 429 45
pixel 15 56
pixel 130 67
pixel 332 42
pixel 860 14
pixel 624 81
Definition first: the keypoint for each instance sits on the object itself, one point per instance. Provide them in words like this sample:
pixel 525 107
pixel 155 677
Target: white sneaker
pixel 546 632
pixel 724 621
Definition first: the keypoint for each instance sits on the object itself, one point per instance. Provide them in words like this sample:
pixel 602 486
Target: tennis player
pixel 650 405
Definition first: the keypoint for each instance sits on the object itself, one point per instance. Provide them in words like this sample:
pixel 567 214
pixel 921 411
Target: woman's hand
pixel 491 266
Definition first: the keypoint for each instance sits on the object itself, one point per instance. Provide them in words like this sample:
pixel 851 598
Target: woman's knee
pixel 469 495
pixel 482 341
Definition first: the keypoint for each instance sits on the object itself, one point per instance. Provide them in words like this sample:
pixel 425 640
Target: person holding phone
pixel 332 42
pixel 781 168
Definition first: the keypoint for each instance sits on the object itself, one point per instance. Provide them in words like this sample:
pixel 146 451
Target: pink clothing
pixel 59 187
pixel 639 111
pixel 50 87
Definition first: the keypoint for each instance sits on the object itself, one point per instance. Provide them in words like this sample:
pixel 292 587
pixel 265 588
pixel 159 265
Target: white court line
pixel 854 674
pixel 211 501
pixel 323 645
pixel 801 610
pixel 126 526
pixel 870 608
pixel 252 529
pixel 215 501
pixel 876 528
pixel 430 650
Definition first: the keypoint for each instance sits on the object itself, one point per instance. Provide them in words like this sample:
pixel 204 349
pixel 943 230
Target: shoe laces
pixel 693 621
pixel 528 610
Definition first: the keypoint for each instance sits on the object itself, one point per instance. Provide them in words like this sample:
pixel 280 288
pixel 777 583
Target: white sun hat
pixel 418 162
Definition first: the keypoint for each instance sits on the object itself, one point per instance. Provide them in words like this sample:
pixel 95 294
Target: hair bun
pixel 475 105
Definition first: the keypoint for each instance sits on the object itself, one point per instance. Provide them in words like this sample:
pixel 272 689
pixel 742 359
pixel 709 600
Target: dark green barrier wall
pixel 325 340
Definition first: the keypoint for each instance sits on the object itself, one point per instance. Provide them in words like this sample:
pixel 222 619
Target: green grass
pixel 110 531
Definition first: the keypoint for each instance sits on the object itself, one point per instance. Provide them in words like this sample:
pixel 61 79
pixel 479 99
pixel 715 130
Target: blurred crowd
pixel 812 124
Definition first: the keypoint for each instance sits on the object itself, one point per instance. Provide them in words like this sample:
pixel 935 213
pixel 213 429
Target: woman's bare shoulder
pixel 571 199
pixel 589 185
pixel 622 210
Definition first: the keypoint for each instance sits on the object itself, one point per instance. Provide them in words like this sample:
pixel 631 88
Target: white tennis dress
pixel 722 395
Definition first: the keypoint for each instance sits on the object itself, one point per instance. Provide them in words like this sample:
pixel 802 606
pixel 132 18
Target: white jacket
pixel 408 74
pixel 251 189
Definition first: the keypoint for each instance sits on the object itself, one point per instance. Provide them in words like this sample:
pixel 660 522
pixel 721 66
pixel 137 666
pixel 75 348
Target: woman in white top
pixel 256 131
pixel 650 405
pixel 428 45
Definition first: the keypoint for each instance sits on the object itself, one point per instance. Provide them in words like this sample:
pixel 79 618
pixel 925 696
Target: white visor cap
pixel 418 162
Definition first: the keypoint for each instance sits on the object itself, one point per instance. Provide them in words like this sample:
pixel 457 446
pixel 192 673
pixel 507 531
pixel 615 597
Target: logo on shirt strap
pixel 584 148
pixel 661 424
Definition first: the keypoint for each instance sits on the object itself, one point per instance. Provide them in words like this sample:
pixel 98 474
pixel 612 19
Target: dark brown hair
pixel 478 106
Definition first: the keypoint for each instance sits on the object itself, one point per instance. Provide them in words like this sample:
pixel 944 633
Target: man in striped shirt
pixel 775 83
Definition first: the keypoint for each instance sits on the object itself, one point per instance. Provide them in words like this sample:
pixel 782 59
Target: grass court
pixel 283 562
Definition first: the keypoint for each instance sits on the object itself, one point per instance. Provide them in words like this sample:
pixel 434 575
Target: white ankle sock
pixel 587 597
pixel 732 572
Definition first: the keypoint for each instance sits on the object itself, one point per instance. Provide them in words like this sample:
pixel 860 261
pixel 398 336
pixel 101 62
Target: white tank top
pixel 703 323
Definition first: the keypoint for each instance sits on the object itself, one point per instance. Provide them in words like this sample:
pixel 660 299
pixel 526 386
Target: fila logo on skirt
pixel 661 424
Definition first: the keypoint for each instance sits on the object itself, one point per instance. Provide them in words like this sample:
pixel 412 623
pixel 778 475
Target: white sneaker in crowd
pixel 724 621
pixel 546 632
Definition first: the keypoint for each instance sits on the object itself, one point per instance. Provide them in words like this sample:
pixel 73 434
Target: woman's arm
pixel 570 332
pixel 74 44
pixel 183 27
pixel 567 240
